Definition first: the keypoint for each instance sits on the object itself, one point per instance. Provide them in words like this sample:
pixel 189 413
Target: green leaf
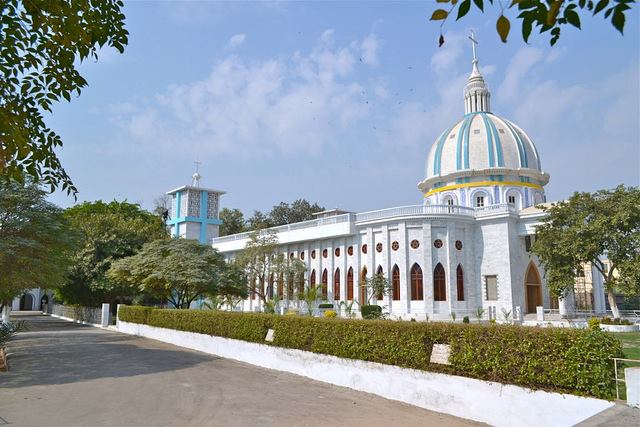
pixel 618 20
pixel 479 4
pixel 463 9
pixel 526 28
pixel 439 15
pixel 572 17
pixel 601 5
pixel 503 26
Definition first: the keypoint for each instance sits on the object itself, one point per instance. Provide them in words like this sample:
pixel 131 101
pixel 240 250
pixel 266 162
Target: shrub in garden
pixel 465 319
pixel 330 313
pixel 594 324
pixel 371 311
pixel 560 359
pixel 616 321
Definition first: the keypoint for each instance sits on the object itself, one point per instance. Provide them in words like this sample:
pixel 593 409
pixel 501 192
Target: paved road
pixel 64 374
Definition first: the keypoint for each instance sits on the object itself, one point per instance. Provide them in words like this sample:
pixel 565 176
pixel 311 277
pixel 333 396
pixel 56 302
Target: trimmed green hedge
pixel 559 359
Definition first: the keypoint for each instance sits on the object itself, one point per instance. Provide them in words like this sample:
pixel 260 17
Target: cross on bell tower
pixel 476 92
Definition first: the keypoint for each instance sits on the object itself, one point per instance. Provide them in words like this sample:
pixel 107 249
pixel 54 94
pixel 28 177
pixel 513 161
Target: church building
pixel 464 248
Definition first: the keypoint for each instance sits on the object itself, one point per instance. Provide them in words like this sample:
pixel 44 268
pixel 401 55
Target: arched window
pixel 416 283
pixel 336 285
pixel 363 285
pixel 312 280
pixel 460 282
pixel 395 283
pixel 301 284
pixel 270 286
pixel 439 284
pixel 380 271
pixel 290 286
pixel 324 284
pixel 281 286
pixel 350 284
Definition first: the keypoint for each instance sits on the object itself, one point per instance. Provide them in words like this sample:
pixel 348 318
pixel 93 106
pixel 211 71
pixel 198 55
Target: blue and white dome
pixel 483 151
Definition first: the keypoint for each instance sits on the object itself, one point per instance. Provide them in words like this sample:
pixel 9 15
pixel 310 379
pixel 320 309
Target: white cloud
pixel 369 48
pixel 287 105
pixel 236 40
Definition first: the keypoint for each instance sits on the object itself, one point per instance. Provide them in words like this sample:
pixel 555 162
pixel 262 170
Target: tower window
pixel 511 200
pixel 476 131
pixel 501 130
pixel 492 288
pixel 527 243
pixel 453 135
pixel 479 201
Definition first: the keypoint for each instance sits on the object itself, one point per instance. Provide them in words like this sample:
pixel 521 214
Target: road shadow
pixel 58 352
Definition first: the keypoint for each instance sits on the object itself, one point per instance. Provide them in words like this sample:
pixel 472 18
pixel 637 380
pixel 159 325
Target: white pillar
pixel 540 313
pixel 599 305
pixel 632 381
pixel 566 304
pixel 6 313
pixel 105 315
pixel 517 315
pixel 118 315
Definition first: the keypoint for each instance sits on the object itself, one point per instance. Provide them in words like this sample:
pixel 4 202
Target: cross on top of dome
pixel 476 92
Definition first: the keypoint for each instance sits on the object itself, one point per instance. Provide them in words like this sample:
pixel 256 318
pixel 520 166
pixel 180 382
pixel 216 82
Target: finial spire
pixel 476 92
pixel 195 181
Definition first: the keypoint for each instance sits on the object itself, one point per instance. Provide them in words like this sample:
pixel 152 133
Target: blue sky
pixel 336 102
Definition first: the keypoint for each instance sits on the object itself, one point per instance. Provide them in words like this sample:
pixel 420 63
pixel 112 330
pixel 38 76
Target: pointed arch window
pixel 460 282
pixel 363 285
pixel 380 271
pixel 290 286
pixel 312 280
pixel 270 287
pixel 350 284
pixel 417 293
pixel 324 284
pixel 395 283
pixel 336 285
pixel 301 284
pixel 439 284
pixel 281 286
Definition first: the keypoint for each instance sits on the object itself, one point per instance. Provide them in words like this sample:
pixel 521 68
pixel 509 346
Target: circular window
pixel 291 255
pixel 325 253
pixel 379 247
pixel 395 246
pixel 458 244
pixel 364 248
pixel 337 252
pixel 437 243
pixel 313 254
pixel 301 255
pixel 350 250
pixel 415 244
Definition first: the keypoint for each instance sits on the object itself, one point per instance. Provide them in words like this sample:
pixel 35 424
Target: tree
pixel 377 285
pixel 259 221
pixel 299 210
pixel 544 15
pixel 232 221
pixel 256 259
pixel 232 285
pixel 592 228
pixel 110 231
pixel 175 270
pixel 35 241
pixel 41 44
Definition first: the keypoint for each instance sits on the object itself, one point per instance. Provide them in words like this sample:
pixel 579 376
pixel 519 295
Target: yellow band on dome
pixel 483 184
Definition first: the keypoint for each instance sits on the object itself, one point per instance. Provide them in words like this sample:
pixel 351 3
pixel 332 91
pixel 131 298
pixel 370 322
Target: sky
pixel 336 102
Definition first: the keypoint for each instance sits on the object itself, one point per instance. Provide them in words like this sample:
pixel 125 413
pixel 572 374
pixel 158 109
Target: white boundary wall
pixel 490 402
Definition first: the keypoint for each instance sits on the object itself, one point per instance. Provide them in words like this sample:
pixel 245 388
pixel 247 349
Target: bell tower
pixel 194 211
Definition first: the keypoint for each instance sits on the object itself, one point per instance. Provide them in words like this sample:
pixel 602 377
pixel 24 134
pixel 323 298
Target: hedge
pixel 558 359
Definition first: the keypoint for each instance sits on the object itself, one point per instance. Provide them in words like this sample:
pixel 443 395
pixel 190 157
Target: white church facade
pixel 465 247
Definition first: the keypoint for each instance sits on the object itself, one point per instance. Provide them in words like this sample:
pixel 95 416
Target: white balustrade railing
pixel 414 210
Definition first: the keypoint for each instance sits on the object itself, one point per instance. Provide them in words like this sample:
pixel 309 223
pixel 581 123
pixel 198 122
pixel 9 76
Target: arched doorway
pixel 533 289
pixel 26 302
pixel 363 286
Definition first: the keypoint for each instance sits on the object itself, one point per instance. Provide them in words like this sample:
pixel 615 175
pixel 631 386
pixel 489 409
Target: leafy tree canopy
pixel 284 213
pixel 544 15
pixel 41 44
pixel 176 270
pixel 256 259
pixel 589 228
pixel 35 240
pixel 109 231
pixel 232 221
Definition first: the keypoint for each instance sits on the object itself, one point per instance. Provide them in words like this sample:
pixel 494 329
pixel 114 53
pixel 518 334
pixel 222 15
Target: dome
pixel 485 144
pixel 483 150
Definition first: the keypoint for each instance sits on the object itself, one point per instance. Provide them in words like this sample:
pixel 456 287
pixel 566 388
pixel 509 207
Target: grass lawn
pixel 630 344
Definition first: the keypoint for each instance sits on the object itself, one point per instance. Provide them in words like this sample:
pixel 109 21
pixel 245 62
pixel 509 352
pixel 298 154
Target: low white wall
pixel 620 328
pixel 490 402
pixel 82 322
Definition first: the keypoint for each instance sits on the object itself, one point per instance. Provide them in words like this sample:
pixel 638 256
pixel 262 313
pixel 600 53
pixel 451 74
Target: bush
pixel 465 319
pixel 371 311
pixel 594 324
pixel 616 321
pixel 330 313
pixel 325 305
pixel 559 359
